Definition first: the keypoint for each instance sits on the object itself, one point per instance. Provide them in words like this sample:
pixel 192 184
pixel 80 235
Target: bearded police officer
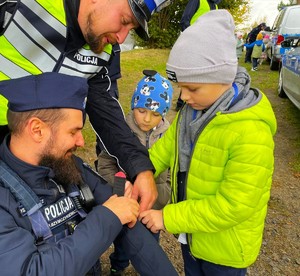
pixel 74 38
pixel 57 215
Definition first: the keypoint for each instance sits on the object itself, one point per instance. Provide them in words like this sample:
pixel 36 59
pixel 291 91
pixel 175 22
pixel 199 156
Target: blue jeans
pixel 248 54
pixel 254 62
pixel 194 266
pixel 119 259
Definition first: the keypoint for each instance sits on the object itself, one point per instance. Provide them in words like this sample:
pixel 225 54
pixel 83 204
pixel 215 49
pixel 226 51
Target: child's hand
pixel 128 189
pixel 153 219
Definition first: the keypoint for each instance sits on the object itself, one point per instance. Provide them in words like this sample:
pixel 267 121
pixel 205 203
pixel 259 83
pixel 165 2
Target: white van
pixel 286 26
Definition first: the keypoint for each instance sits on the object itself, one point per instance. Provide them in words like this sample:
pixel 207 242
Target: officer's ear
pixel 37 129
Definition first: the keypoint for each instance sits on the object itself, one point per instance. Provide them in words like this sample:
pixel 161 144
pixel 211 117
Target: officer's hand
pixel 144 187
pixel 126 209
pixel 128 189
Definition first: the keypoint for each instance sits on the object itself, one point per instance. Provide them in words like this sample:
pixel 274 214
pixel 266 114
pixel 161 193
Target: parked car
pixel 289 73
pixel 286 26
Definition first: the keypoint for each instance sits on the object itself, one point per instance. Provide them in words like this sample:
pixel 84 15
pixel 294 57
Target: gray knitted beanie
pixel 206 51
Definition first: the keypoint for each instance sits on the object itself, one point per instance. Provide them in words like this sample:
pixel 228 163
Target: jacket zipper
pixel 189 236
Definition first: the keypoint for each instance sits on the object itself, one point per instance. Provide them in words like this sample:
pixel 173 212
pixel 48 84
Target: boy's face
pixel 146 119
pixel 200 96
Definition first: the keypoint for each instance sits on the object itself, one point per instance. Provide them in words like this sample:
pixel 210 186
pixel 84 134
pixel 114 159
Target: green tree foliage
pixel 239 9
pixel 164 26
pixel 286 3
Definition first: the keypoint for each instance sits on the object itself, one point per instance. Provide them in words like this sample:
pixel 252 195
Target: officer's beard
pixel 95 41
pixel 65 169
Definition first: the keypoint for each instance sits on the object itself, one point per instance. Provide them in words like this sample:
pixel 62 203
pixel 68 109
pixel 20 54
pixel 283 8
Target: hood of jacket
pixel 151 135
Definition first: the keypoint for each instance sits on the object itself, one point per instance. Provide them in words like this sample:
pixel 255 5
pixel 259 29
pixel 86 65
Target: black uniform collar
pixel 75 37
pixel 32 175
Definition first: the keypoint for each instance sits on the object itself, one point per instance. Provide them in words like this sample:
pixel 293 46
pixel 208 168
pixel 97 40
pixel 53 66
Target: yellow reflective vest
pixel 203 8
pixel 35 40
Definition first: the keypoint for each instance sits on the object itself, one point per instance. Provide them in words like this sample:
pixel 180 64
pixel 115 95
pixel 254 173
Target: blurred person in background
pixel 251 37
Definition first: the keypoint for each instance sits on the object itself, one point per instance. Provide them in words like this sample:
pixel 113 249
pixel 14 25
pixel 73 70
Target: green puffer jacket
pixel 228 184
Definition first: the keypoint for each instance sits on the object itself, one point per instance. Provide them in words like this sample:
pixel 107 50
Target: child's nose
pixel 147 117
pixel 184 95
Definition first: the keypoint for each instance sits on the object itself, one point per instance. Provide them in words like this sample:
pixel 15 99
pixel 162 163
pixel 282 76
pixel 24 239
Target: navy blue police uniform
pixel 79 234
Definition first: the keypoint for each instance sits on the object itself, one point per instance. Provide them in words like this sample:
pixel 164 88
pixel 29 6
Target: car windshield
pixel 278 20
pixel 293 20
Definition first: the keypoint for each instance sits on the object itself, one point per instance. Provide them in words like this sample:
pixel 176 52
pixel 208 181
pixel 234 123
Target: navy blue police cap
pixel 44 91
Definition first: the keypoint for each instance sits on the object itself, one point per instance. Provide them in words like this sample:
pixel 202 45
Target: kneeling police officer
pixel 57 215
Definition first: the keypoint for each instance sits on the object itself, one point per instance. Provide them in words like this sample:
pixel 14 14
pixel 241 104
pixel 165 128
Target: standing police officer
pixel 57 215
pixel 74 38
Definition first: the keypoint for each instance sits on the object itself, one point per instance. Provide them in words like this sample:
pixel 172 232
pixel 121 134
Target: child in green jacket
pixel 258 47
pixel 220 150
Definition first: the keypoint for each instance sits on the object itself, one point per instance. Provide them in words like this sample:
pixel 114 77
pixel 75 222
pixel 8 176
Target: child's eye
pixel 192 89
pixel 156 114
